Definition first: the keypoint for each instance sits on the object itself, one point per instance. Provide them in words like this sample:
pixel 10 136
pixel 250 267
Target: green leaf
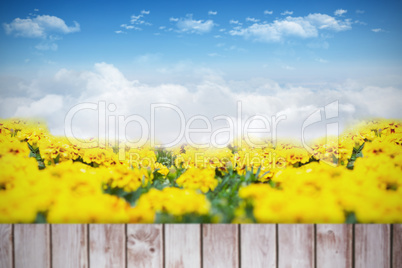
pixel 31 148
pixel 351 218
pixel 165 157
pixel 250 212
pixel 41 165
pixel 272 184
pixel 40 217
pixel 57 159
pixel 258 172
pixel 357 152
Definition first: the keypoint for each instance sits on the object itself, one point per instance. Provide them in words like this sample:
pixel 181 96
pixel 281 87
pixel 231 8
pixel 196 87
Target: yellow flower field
pixel 356 177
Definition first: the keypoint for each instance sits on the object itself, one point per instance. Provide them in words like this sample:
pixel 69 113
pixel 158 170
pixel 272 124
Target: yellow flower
pixel 209 158
pixel 195 178
pixel 70 191
pixel 121 176
pixel 174 201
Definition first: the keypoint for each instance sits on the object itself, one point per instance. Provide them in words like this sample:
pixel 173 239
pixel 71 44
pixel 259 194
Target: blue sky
pixel 218 46
pixel 55 51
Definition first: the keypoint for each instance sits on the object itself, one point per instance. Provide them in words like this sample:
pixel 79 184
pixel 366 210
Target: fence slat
pixel 69 245
pixel 258 245
pixel 32 245
pixel 397 246
pixel 296 245
pixel 144 246
pixel 372 245
pixel 220 245
pixel 107 245
pixel 182 245
pixel 6 246
pixel 334 245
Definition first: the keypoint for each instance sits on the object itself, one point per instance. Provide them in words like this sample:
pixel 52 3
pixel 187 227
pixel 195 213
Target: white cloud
pixel 119 32
pixel 189 25
pixel 235 48
pixel 263 97
pixel 287 67
pixel 173 19
pixel 126 26
pixel 323 21
pixel 214 54
pixel 377 30
pixel 252 19
pixel 318 45
pixel 204 97
pixel 210 96
pixel 212 12
pixel 268 12
pixel 359 11
pixel 360 22
pixel 234 22
pixel 43 107
pixel 148 58
pixel 162 27
pixel 129 27
pixel 275 31
pixel 303 27
pixel 40 26
pixel 287 12
pixel 135 18
pixel 46 46
pixel 136 22
pixel 340 12
pixel 320 60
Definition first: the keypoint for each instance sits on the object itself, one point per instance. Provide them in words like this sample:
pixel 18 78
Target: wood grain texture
pixel 182 245
pixel 397 245
pixel 258 245
pixel 296 245
pixel 220 245
pixel 32 245
pixel 334 245
pixel 6 246
pixel 144 246
pixel 107 245
pixel 69 246
pixel 372 245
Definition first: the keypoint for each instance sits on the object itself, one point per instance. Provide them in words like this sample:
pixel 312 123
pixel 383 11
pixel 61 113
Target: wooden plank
pixel 258 245
pixel 397 245
pixel 220 245
pixel 372 245
pixel 6 246
pixel 107 245
pixel 32 245
pixel 334 245
pixel 296 245
pixel 144 246
pixel 182 245
pixel 69 245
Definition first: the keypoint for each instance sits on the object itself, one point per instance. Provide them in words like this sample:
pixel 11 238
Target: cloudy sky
pixel 283 58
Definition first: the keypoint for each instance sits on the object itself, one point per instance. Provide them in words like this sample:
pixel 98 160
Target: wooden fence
pixel 200 245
